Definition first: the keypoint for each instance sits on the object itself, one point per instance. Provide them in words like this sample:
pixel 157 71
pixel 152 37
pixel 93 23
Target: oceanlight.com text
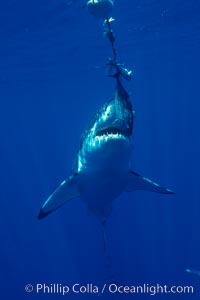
pixel 89 288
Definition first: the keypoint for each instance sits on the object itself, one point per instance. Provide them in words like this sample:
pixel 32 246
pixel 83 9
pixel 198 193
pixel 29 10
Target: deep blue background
pixel 52 80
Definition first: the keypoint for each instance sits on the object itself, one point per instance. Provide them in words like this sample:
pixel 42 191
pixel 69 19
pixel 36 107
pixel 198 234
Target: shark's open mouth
pixel 112 131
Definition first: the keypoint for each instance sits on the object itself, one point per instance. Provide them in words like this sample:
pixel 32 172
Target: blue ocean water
pixel 52 80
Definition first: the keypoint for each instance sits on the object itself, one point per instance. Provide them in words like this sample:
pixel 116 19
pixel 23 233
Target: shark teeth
pixel 108 131
pixel 109 136
pixel 99 140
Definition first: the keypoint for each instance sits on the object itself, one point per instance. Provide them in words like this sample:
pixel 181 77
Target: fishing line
pixel 103 9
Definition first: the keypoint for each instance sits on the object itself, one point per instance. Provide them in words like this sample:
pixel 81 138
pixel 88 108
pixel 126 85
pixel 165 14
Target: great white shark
pixel 102 170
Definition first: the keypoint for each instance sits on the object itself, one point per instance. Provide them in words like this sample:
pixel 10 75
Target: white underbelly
pixel 104 174
pixel 112 155
pixel 98 190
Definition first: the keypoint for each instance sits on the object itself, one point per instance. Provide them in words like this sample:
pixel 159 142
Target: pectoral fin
pixel 66 191
pixel 138 182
